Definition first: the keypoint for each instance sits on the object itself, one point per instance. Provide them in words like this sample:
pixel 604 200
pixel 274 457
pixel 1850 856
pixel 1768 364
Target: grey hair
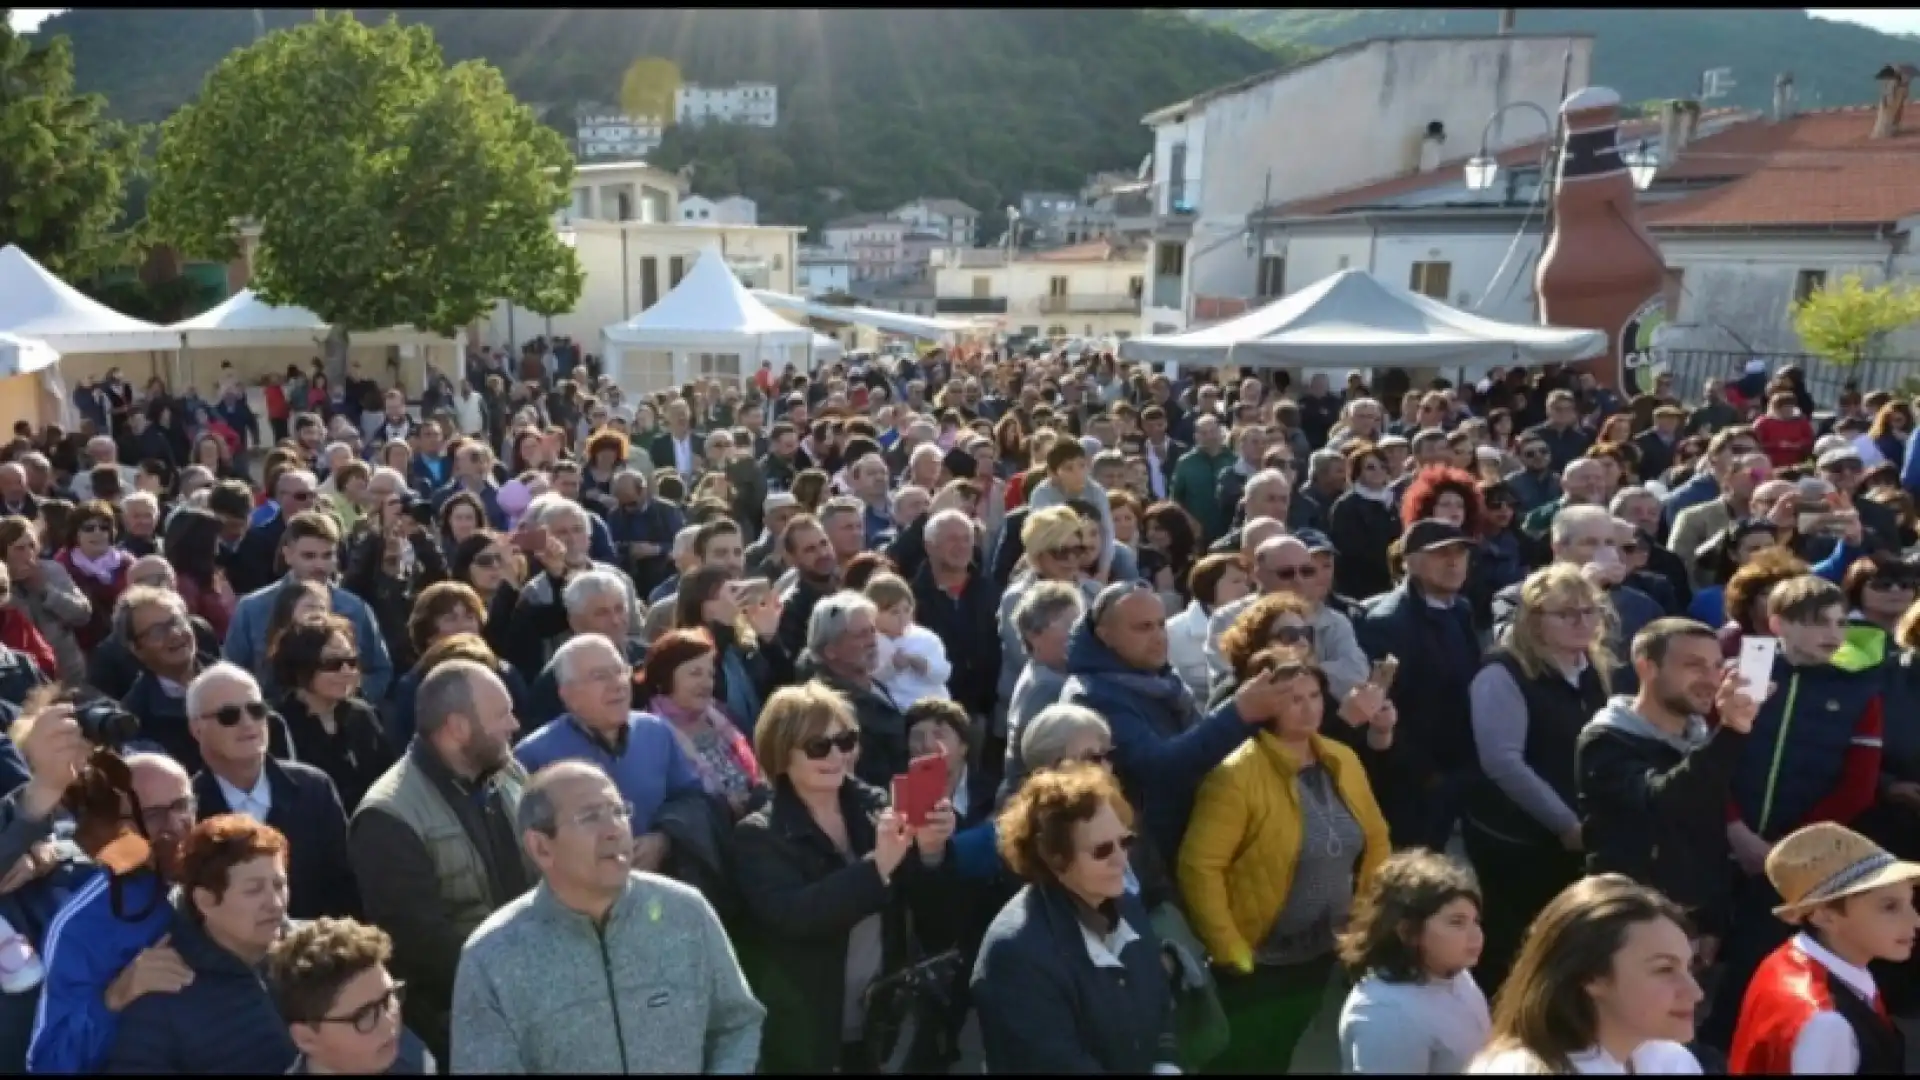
pixel 909 489
pixel 1574 518
pixel 445 693
pixel 203 684
pixel 296 474
pixel 1625 494
pixel 148 562
pixel 1320 461
pixel 139 596
pixel 1578 465
pixel 328 450
pixel 945 518
pixel 926 449
pixel 536 810
pixel 1043 604
pixel 1268 476
pixel 830 618
pixel 141 498
pixel 551 506
pixel 841 504
pixel 1045 741
pixel 590 585
pixel 391 475
pixel 683 541
pixel 564 656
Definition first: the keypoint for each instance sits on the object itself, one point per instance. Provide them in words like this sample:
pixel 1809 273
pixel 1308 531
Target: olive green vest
pixel 406 792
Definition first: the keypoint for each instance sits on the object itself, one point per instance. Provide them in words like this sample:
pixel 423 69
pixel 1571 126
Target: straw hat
pixel 1826 862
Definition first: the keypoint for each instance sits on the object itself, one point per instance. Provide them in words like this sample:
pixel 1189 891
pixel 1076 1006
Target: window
pixel 676 269
pixel 649 281
pixel 623 204
pixel 1056 286
pixel 1030 331
pixel 1273 275
pixel 1431 279
pixel 1806 283
pixel 1136 286
pixel 982 287
pixel 1169 259
pixel 1056 331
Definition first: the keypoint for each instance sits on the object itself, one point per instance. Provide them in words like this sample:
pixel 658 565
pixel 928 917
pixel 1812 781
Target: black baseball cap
pixel 1432 534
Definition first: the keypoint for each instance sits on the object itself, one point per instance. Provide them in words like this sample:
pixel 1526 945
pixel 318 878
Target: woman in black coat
pixel 317 666
pixel 1046 1006
pixel 1361 525
pixel 831 880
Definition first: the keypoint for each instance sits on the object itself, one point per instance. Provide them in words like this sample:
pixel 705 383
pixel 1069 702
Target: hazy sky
pixel 1896 20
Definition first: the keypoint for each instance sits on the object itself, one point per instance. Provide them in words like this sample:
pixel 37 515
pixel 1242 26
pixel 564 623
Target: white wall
pixel 1747 284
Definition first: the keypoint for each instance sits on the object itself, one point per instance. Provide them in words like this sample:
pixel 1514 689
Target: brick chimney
pixel 1689 124
pixel 1896 82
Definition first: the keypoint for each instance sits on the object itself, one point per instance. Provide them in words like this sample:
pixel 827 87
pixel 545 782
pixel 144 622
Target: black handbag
pixel 907 1029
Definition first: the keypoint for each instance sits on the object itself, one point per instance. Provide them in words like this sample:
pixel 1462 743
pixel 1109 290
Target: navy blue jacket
pixel 307 811
pixel 1439 654
pixel 1821 761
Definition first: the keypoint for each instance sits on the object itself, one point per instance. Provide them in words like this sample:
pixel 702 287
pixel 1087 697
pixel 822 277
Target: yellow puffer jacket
pixel 1243 842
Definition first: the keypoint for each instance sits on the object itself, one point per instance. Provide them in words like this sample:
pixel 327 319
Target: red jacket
pixel 1786 442
pixel 18 632
pixel 1786 991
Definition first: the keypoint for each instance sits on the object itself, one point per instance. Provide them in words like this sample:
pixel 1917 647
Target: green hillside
pixel 883 105
pixel 1641 53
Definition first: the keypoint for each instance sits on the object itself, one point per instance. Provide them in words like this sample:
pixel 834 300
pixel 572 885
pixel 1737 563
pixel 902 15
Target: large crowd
pixel 1093 717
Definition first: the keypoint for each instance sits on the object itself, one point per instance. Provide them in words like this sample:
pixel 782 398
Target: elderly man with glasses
pixel 1286 564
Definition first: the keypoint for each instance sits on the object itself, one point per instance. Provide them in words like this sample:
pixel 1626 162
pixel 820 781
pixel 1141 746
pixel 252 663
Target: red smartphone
pixel 918 790
pixel 532 541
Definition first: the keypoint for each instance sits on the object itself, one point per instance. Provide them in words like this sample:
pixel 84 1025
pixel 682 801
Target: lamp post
pixel 1483 166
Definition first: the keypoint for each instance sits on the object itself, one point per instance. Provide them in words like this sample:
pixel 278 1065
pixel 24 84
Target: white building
pixel 732 210
pixel 1084 291
pixel 1360 114
pixel 823 272
pixel 752 103
pixel 622 191
pixel 875 242
pixel 602 131
pixel 950 219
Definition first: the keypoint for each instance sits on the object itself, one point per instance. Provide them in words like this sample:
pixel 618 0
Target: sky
pixel 1893 21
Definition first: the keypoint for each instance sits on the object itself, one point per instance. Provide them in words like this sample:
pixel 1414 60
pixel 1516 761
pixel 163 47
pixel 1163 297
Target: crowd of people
pixel 1136 721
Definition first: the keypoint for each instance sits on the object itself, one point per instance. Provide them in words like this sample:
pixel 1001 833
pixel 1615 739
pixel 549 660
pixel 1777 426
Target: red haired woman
pixel 1452 495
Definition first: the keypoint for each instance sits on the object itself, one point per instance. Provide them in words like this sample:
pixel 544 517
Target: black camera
pixel 104 723
pixel 421 511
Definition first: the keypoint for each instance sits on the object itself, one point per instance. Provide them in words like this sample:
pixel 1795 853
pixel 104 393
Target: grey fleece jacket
pixel 1618 713
pixel 540 989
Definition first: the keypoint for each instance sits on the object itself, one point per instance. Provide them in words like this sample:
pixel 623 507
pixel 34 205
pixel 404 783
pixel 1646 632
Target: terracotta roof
pixel 1815 169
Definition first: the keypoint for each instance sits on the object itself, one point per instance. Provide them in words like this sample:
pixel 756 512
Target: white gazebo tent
pixel 1355 320
pixel 892 322
pixel 29 381
pixel 708 325
pixel 256 337
pixel 88 337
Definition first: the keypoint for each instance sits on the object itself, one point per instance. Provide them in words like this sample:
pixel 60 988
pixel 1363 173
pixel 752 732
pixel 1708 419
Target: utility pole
pixel 1506 21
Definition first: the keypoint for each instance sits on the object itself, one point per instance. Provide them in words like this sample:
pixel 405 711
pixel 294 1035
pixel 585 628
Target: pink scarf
pixel 682 721
pixel 104 569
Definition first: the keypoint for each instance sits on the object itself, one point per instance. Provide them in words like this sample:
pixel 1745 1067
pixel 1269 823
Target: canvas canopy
pixel 892 322
pixel 709 311
pixel 1354 319
pixel 36 304
pixel 244 321
pixel 24 355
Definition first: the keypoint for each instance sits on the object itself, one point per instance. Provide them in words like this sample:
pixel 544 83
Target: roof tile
pixel 1814 169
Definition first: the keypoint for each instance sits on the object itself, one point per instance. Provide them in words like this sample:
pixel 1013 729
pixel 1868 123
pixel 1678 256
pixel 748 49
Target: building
pixel 1088 290
pixel 912 295
pixel 622 191
pixel 823 272
pixel 754 104
pixel 949 218
pixel 876 243
pixel 1369 111
pixel 732 210
pixel 602 131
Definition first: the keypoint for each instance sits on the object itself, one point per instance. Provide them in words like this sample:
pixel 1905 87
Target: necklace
pixel 1317 789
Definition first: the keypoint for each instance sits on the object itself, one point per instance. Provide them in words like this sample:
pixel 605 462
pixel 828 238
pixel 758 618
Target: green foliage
pixel 648 87
pixel 64 167
pixel 1641 52
pixel 1849 322
pixel 389 188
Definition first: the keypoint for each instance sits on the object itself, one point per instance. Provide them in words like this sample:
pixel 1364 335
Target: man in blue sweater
pixel 311 546
pixel 638 750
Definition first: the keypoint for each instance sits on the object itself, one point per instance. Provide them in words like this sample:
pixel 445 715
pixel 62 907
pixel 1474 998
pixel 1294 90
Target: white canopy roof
pixel 25 355
pixel 1354 319
pixel 245 321
pixel 893 322
pixel 35 304
pixel 708 311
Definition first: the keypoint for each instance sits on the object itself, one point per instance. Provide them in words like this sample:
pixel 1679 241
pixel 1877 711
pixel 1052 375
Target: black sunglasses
pixel 1104 850
pixel 1889 582
pixel 231 715
pixel 337 664
pixel 1303 572
pixel 820 746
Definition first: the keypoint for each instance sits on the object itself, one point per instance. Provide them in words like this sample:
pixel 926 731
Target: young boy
pixel 1069 478
pixel 913 660
pixel 1813 1007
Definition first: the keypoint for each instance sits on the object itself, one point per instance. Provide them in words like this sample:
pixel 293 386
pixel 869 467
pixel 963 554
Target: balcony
pixel 1181 198
pixel 970 305
pixel 1090 304
pixel 1168 290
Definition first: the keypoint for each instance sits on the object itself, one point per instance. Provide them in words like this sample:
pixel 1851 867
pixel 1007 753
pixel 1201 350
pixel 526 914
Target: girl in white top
pixel 1215 581
pixel 1412 944
pixel 913 661
pixel 1603 986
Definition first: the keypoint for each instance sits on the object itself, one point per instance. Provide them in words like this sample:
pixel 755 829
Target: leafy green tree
pixel 1848 321
pixel 388 188
pixel 63 166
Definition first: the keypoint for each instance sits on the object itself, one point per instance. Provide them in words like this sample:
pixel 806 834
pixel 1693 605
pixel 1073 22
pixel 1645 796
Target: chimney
pixel 1783 96
pixel 1670 132
pixel 1689 125
pixel 1430 144
pixel 1506 21
pixel 1895 83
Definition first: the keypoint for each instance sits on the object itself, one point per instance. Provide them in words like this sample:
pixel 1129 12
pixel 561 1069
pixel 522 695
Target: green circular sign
pixel 1638 366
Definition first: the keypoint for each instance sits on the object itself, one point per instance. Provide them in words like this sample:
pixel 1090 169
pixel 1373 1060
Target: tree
pixel 388 188
pixel 63 165
pixel 648 87
pixel 1850 322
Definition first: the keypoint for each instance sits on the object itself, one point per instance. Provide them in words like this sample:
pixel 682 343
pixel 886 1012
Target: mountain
pixel 883 105
pixel 1642 53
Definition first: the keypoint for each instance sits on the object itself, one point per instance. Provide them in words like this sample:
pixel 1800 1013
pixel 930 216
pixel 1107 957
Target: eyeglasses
pixel 486 560
pixel 231 715
pixel 1574 615
pixel 1534 452
pixel 366 1018
pixel 1630 548
pixel 1071 551
pixel 1303 572
pixel 333 665
pixel 298 496
pixel 1106 849
pixel 160 631
pixel 156 818
pixel 1292 635
pixel 1500 504
pixel 1096 757
pixel 818 747
pixel 595 816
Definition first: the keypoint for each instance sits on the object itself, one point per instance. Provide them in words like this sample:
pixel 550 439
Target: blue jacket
pixel 646 763
pixel 1160 752
pixel 1815 748
pixel 1910 469
pixel 1699 491
pixel 87 946
pixel 489 499
pixel 246 643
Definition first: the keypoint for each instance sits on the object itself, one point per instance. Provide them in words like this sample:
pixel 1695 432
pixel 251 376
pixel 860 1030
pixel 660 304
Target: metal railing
pixel 1085 303
pixel 1691 368
pixel 970 305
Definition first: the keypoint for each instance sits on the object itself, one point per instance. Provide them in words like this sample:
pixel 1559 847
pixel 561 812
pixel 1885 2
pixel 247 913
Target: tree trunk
pixel 337 356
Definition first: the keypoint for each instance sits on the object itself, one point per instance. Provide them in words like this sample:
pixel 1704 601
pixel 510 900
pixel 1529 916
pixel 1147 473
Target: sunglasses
pixel 1303 572
pixel 1891 582
pixel 367 1017
pixel 94 527
pixel 1533 452
pixel 818 747
pixel 1105 849
pixel 1071 551
pixel 300 496
pixel 333 665
pixel 1292 635
pixel 231 715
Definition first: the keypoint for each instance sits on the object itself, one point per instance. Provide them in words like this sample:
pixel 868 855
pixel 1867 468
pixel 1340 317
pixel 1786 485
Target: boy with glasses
pixel 330 982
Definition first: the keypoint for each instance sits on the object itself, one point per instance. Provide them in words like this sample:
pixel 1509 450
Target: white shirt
pixel 1655 1058
pixel 1826 1043
pixel 682 454
pixel 256 804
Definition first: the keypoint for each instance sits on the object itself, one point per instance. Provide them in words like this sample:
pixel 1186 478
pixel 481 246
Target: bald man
pixel 15 499
pixel 1286 564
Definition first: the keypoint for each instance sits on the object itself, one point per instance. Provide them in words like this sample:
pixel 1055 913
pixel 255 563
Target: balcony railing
pixel 1167 290
pixel 970 305
pixel 1089 304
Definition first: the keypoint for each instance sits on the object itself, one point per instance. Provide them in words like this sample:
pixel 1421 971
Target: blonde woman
pixel 1543 683
pixel 1056 547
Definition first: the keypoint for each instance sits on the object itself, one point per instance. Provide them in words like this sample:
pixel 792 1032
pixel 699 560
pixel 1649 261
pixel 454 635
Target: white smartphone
pixel 1756 664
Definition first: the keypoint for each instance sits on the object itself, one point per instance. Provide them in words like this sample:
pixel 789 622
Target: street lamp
pixel 1482 168
pixel 1480 173
pixel 1641 164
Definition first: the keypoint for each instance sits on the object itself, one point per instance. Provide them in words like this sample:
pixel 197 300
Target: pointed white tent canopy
pixel 244 321
pixel 709 311
pixel 25 355
pixel 1354 319
pixel 892 322
pixel 36 304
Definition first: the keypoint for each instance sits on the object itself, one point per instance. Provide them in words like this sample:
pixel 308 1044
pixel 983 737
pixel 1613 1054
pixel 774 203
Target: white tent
pixel 244 321
pixel 36 304
pixel 1354 319
pixel 708 314
pixel 892 322
pixel 25 355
